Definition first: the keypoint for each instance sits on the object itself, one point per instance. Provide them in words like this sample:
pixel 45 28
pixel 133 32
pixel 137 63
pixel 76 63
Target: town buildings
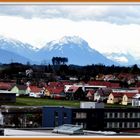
pixel 95 119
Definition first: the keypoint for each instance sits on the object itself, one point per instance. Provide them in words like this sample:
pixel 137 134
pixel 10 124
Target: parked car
pixel 34 95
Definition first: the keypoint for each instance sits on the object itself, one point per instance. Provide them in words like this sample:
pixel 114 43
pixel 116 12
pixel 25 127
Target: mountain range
pixel 76 49
pixel 124 59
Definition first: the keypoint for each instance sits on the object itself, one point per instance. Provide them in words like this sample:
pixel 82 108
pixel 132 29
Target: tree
pixel 53 60
pixel 59 60
pixel 135 69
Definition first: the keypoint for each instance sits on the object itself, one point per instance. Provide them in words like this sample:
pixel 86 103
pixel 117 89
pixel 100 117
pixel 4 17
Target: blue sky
pixel 107 28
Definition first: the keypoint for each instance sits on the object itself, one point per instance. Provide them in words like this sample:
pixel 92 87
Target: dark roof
pixel 21 87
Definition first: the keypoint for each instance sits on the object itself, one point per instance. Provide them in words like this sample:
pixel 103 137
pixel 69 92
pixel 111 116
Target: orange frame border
pixel 69 138
pixel 69 1
pixel 74 138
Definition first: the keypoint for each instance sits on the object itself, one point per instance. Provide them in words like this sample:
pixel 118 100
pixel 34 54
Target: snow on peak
pixel 16 43
pixel 59 43
pixel 71 39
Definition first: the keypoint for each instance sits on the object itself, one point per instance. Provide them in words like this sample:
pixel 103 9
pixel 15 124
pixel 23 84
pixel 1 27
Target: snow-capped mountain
pixel 75 49
pixel 122 58
pixel 15 46
pixel 8 57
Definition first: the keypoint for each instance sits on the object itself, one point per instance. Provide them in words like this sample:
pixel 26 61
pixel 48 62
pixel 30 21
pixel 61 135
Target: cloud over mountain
pixel 118 14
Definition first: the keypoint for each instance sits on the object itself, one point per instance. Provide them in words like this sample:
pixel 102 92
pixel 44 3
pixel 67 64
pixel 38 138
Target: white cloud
pixel 102 36
pixel 121 59
pixel 118 14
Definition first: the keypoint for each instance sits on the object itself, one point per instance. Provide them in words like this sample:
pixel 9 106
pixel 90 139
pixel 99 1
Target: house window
pixel 118 115
pixel 138 123
pixel 131 115
pixel 115 124
pixel 110 124
pixel 135 125
pixel 130 124
pixel 81 115
pixel 125 124
pixel 108 115
pixel 115 115
pixel 126 115
pixel 107 124
pixel 120 125
pixel 65 115
pixel 56 114
pixel 135 115
pixel 111 115
pixel 121 115
pixel 138 115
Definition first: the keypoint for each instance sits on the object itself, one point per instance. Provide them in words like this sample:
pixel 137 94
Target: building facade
pixel 103 119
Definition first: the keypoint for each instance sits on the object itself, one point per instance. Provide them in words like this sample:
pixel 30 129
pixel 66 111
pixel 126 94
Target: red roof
pixel 100 83
pixel 129 95
pixel 125 76
pixel 117 94
pixel 55 90
pixel 6 86
pixel 35 89
pixel 104 83
pixel 114 85
pixel 66 82
pixel 55 84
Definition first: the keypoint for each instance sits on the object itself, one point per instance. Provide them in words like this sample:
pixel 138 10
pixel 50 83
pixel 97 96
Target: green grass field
pixel 26 101
pixel 21 101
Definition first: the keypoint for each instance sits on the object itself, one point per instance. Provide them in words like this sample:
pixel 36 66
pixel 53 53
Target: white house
pixel 136 100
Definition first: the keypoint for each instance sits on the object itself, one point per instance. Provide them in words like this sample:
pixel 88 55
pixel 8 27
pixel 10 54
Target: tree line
pixel 20 71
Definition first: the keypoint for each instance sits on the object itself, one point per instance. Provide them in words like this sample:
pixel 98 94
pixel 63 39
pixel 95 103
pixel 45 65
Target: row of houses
pixel 93 91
